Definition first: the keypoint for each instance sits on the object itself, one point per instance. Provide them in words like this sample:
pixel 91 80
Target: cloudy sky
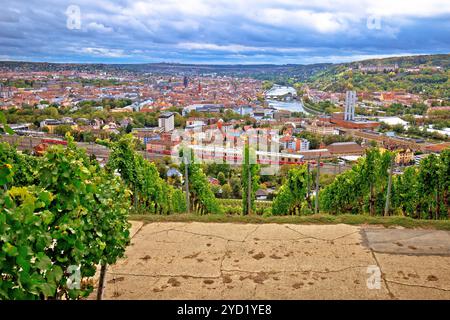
pixel 221 31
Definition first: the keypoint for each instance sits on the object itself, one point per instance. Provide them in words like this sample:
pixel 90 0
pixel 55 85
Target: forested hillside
pixel 430 79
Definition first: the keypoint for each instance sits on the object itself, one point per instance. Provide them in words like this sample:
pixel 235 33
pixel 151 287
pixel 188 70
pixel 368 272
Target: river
pixel 293 106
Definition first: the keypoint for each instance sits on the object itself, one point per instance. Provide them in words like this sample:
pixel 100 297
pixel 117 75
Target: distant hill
pixel 436 60
pixel 432 79
pixel 263 71
pixel 325 76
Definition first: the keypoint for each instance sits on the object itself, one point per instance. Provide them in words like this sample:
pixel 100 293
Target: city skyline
pixel 221 32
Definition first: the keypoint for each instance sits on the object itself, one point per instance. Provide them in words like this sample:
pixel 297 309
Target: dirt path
pixel 272 261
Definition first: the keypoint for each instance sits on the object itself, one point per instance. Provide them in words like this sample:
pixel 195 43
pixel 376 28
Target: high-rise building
pixel 167 121
pixel 350 104
pixel 5 92
pixel 186 81
pixel 304 145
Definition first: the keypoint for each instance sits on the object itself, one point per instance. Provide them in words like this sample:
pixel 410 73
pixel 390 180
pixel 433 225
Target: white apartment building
pixel 167 121
pixel 350 104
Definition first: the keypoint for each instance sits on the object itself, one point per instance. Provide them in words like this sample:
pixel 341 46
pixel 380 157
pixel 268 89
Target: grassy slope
pixel 312 219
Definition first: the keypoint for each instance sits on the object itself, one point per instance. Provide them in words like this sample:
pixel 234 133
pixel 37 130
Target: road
pixel 272 261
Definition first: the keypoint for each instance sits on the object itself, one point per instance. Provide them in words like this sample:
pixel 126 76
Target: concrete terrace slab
pixel 273 261
pixel 404 241
pixel 135 228
pixel 410 277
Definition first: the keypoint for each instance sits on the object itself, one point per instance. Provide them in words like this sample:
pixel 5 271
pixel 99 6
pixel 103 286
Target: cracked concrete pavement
pixel 273 261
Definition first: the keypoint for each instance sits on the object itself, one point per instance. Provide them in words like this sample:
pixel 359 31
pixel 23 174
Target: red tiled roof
pixel 438 147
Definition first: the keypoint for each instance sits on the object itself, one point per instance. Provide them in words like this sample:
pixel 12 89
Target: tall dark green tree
pixel 429 186
pixel 444 176
pixel 250 180
pixel 366 184
pixel 203 200
pixel 375 172
pixel 405 192
pixel 291 198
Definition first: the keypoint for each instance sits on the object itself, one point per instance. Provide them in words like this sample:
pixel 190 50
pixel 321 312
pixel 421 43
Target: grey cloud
pixel 119 31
